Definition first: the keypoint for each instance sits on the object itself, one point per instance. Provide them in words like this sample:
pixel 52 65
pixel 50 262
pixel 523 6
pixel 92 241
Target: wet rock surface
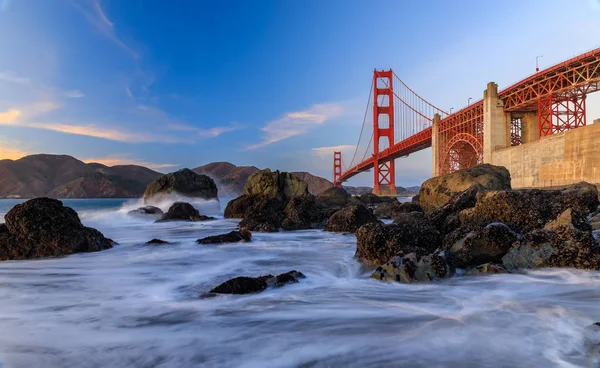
pixel 377 243
pixel 183 211
pixel 390 210
pixel 486 269
pixel 413 267
pixel 43 227
pixel 438 191
pixel 157 241
pixel 350 218
pixel 248 285
pixel 146 211
pixel 242 235
pixel 183 182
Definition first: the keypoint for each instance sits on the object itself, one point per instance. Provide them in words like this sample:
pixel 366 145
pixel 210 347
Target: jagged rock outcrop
pixel 43 227
pixel 334 197
pixel 274 200
pixel 183 182
pixel 487 245
pixel 395 208
pixel 248 285
pixel 436 192
pixel 377 243
pixel 370 199
pixel 350 218
pixel 242 235
pixel 182 211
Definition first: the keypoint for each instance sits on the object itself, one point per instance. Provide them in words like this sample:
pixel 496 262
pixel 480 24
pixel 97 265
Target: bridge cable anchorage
pixel 362 127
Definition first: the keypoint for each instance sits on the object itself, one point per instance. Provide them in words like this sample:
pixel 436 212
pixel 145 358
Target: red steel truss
pixel 557 94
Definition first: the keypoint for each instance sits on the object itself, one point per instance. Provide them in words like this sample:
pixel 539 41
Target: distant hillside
pixel 62 176
pixel 231 179
pixel 401 191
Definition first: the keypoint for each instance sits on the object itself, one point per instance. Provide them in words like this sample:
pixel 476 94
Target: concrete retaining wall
pixel 557 160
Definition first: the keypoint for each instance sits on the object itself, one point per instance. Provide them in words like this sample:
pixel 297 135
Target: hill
pixel 61 176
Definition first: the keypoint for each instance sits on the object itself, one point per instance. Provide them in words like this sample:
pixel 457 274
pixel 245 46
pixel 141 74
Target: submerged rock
pixel 242 235
pixel 413 267
pixel 438 191
pixel 486 269
pixel 248 285
pixel 43 227
pixel 182 211
pixel 377 243
pixel 183 182
pixel 350 218
pixel 157 241
pixel 145 211
pixel 477 247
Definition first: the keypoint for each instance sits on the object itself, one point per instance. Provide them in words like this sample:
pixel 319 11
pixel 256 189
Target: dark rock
pixel 413 267
pixel 528 209
pixel 3 228
pixel 304 213
pixel 334 197
pixel 370 199
pixel 486 269
pixel 231 237
pixel 182 211
pixel 445 218
pixel 415 199
pixel 409 217
pixel 350 218
pixel 247 285
pixel 591 344
pixel 239 206
pixel 43 227
pixel 147 210
pixel 378 243
pixel 275 185
pixel 438 191
pixel 565 246
pixel 156 241
pixel 263 215
pixel 183 182
pixel 392 209
pixel 481 246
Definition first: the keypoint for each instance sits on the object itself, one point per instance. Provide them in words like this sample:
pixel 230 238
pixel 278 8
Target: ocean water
pixel 142 306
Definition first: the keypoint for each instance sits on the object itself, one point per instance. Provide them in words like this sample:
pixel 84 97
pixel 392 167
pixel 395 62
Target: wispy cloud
pixel 298 122
pixel 114 160
pixel 11 77
pixel 328 151
pixel 207 133
pixel 74 94
pixel 97 18
pixel 12 117
pixel 10 151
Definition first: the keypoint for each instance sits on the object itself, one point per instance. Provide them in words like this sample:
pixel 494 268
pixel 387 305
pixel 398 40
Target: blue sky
pixel 274 84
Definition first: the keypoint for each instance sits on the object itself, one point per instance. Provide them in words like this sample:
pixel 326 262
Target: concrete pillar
pixel 435 146
pixel 530 132
pixel 495 133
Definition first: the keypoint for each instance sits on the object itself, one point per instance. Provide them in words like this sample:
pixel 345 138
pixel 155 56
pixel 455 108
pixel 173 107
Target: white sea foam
pixel 142 306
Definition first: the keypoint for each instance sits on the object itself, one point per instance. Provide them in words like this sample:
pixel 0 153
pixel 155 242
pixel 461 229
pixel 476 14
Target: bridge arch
pixel 463 150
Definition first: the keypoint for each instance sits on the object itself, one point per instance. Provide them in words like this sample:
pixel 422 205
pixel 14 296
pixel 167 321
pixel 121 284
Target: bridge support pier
pixel 529 127
pixel 496 123
pixel 435 145
pixel 384 182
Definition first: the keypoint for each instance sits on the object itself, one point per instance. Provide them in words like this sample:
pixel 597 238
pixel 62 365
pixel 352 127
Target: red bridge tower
pixel 383 127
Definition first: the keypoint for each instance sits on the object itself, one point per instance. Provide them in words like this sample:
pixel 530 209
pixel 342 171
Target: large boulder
pixel 304 213
pixel 438 191
pixel 445 218
pixel 275 185
pixel 243 235
pixel 486 245
pixel 370 199
pixel 183 182
pixel 350 218
pixel 377 243
pixel 248 285
pixel 334 197
pixel 528 209
pixel 559 244
pixel 413 267
pixel 183 211
pixel 43 227
pixel 263 215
